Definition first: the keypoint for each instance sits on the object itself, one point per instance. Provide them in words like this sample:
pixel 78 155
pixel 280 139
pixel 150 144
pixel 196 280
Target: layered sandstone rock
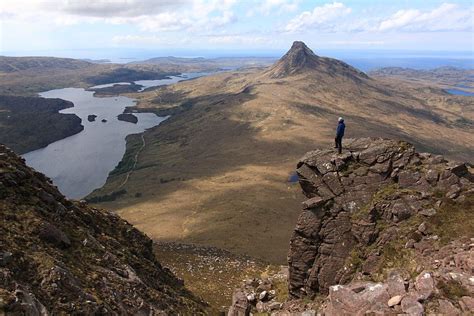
pixel 384 231
pixel 364 206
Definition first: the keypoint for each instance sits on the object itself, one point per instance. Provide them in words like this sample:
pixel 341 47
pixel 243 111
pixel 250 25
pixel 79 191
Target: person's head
pixel 340 120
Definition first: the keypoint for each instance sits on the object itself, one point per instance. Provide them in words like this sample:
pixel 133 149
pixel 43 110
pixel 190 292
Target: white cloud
pixel 94 8
pixel 267 7
pixel 446 17
pixel 148 15
pixel 119 8
pixel 335 17
pixel 322 17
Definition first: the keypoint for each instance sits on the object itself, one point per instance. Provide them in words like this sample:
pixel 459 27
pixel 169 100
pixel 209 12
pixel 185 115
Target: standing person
pixel 339 134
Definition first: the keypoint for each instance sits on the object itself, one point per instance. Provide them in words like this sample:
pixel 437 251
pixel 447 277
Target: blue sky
pixel 250 26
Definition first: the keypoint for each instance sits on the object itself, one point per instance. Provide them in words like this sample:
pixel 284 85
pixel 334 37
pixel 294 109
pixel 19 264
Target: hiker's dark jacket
pixel 340 129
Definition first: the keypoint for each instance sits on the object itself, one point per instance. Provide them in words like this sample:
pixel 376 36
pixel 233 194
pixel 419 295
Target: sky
pixel 229 25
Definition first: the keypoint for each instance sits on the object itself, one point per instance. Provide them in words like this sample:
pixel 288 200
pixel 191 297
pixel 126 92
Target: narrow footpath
pixel 135 161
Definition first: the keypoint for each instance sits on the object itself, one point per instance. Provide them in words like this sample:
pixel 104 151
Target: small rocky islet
pixel 128 117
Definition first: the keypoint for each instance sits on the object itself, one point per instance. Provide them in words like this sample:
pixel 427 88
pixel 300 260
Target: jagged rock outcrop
pixel 385 230
pixel 371 208
pixel 301 59
pixel 59 256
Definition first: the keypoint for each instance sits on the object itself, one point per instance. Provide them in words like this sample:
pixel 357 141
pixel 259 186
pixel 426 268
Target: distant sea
pixel 363 60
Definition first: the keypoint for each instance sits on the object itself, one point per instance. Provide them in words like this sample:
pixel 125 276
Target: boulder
pixel 424 285
pixel 408 178
pixel 459 169
pixel 432 176
pixel 411 306
pixel 467 304
pixel 396 284
pixel 357 299
pixel 313 202
pixel 261 307
pixel 25 303
pixel 53 235
pixel 447 308
pixel 46 197
pixel 394 300
pixel 428 212
pixel 5 258
pixel 240 305
pixel 274 306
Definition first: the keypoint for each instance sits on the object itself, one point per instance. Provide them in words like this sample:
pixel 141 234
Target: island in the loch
pixel 128 117
pixel 116 89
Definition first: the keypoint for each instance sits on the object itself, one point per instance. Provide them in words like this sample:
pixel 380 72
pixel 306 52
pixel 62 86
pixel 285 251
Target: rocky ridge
pixel 384 230
pixel 59 256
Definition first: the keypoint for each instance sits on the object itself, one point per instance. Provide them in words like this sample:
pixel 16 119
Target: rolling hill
pixel 15 64
pixel 27 76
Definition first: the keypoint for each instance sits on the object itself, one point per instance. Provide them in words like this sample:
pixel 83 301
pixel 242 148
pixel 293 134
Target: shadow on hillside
pixel 208 139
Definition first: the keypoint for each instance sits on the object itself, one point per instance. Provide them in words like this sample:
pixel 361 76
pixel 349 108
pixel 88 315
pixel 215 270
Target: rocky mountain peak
pixel 59 256
pixel 299 55
pixel 300 59
pixel 296 60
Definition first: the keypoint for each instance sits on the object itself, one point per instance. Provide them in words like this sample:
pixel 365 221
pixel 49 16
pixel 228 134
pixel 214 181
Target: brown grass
pixel 454 220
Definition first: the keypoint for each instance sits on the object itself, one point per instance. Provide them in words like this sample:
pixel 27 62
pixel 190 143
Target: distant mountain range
pixel 15 64
pixel 200 64
pixel 447 76
pixel 30 75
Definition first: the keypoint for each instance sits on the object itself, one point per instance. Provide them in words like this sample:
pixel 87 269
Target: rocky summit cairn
pixel 381 210
pixel 300 59
pixel 63 257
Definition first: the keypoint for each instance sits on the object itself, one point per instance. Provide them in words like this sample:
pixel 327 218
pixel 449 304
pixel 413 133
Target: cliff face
pixel 375 207
pixel 64 257
pixel 385 231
